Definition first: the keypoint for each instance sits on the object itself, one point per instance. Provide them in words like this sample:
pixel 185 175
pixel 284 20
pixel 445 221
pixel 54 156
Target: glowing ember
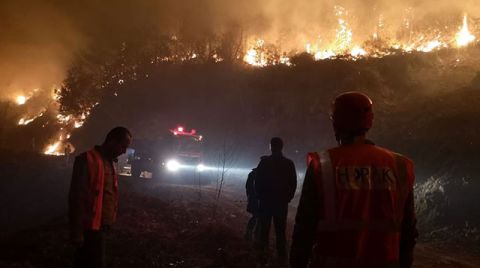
pixel 54 149
pixel 56 94
pixel 430 46
pixel 250 57
pixel 257 55
pixel 21 100
pixel 61 146
pixel 285 60
pixel 464 37
pixel 78 124
pixel 322 55
pixel 216 58
pixel 25 121
pixel 63 119
pixel 358 52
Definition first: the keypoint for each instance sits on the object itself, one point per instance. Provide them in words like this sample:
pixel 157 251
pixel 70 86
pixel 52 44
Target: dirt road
pixel 171 225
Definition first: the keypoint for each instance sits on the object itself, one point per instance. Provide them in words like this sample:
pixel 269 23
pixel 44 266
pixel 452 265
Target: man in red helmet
pixel 357 207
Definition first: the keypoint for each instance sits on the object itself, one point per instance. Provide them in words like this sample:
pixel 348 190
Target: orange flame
pixel 464 37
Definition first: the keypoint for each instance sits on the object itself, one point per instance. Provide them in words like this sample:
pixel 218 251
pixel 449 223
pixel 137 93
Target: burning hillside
pixel 343 45
pixel 241 72
pixel 98 52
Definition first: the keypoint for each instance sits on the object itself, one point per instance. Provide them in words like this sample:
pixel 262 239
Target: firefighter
pixel 275 186
pixel 357 207
pixel 93 198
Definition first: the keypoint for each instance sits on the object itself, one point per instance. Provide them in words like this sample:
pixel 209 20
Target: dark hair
pixel 276 143
pixel 117 134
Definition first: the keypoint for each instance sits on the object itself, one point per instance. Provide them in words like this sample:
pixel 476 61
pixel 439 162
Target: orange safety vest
pixel 363 189
pixel 96 172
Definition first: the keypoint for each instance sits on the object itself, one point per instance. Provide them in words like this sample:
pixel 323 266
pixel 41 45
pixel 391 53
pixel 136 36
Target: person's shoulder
pixel 395 154
pixel 313 158
pixel 265 158
pixel 287 160
pixel 81 157
pixel 403 157
pixel 406 159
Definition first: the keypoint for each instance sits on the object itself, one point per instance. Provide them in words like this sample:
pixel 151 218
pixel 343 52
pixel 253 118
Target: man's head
pixel 276 145
pixel 352 115
pixel 117 141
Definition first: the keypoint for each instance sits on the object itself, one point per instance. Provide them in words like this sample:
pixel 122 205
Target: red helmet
pixel 352 114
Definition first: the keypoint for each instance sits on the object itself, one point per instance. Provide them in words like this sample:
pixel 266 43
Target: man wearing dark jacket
pixel 93 198
pixel 275 185
pixel 252 204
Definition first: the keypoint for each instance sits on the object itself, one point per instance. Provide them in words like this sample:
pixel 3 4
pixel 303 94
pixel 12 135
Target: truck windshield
pixel 187 144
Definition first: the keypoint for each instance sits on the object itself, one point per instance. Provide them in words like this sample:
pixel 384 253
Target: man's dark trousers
pixel 92 253
pixel 251 226
pixel 279 217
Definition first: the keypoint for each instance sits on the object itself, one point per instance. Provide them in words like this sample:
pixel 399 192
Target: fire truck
pixel 179 153
pixel 185 152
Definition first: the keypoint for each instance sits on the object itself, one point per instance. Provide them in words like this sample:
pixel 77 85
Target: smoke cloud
pixel 36 43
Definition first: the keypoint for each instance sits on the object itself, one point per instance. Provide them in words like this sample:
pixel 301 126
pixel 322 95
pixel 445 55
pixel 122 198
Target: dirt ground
pixel 173 225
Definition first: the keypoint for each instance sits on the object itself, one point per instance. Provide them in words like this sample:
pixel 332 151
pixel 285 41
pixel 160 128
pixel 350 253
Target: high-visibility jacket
pixel 86 191
pixel 363 189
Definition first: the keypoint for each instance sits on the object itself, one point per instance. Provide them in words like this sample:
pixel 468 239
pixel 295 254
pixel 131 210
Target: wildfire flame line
pixel 464 37
pixel 261 53
pixel 53 149
pixel 25 121
pixel 344 46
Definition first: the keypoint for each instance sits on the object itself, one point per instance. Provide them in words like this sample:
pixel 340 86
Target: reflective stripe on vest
pixel 97 176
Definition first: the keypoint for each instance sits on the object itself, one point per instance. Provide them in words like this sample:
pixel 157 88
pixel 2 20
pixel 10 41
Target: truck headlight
pixel 200 167
pixel 173 165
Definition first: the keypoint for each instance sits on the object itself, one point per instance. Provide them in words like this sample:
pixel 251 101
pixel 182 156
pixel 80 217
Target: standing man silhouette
pixel 275 185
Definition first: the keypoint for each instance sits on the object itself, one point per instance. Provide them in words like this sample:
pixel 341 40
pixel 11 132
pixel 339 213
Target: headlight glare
pixel 173 165
pixel 201 167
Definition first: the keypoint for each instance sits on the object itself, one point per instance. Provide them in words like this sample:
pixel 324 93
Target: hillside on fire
pixel 426 108
pixel 164 116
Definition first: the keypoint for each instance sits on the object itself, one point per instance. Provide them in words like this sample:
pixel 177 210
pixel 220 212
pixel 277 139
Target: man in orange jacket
pixel 357 206
pixel 93 197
